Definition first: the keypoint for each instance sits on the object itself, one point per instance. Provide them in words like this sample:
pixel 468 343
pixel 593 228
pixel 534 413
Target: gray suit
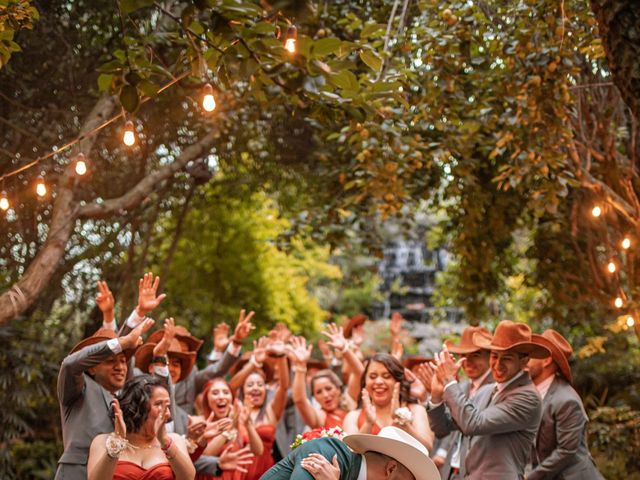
pixel 84 408
pixel 561 448
pixel 450 442
pixel 498 431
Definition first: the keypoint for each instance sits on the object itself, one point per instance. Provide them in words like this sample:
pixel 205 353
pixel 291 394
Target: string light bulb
pixel 618 302
pixel 129 137
pixel 612 267
pixel 290 39
pixel 41 187
pixel 630 321
pixel 596 211
pixel 4 201
pixel 626 243
pixel 208 100
pixel 81 164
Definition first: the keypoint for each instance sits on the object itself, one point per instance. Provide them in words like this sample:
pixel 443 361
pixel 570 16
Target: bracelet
pixel 301 369
pixel 230 435
pixel 191 445
pixel 403 416
pixel 167 446
pixel 159 359
pixel 115 444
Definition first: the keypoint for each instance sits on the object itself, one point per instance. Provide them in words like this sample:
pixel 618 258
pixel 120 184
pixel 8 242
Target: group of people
pixel 131 409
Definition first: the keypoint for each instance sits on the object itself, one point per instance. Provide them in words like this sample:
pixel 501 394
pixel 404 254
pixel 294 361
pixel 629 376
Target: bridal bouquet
pixel 334 432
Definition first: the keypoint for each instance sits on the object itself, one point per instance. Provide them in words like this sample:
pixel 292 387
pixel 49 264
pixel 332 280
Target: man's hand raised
pixel 147 298
pixel 134 338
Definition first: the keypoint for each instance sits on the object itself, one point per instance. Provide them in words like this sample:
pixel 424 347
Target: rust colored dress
pixel 132 471
pixel 334 419
pixel 261 463
pixel 375 429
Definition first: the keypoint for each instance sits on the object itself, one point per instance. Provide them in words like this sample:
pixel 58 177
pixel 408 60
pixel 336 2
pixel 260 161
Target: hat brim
pixel 193 343
pixel 129 352
pixel 419 464
pixel 532 349
pixel 457 349
pixel 145 354
pixel 557 355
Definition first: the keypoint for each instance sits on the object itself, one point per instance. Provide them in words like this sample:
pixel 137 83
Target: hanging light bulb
pixel 41 187
pixel 208 100
pixel 612 267
pixel 630 321
pixel 290 39
pixel 626 243
pixel 596 211
pixel 81 164
pixel 4 201
pixel 129 137
pixel 618 302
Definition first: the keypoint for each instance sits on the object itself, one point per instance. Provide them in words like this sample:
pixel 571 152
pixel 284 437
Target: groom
pixel 393 453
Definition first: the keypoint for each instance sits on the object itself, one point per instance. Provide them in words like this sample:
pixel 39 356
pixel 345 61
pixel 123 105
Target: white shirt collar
pixel 544 386
pixel 502 386
pixel 477 383
pixel 362 474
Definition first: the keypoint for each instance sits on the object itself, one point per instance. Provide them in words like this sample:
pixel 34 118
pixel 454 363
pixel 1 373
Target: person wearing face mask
pixel 94 371
pixel 326 389
pixel 140 446
pixel 498 424
pixel 393 454
pixel 264 414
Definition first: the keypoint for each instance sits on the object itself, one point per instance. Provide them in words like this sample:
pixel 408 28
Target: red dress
pixel 132 471
pixel 261 463
pixel 375 429
pixel 334 419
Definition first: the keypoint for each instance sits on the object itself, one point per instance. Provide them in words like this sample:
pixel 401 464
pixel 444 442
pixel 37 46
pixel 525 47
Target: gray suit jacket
pixel 497 432
pixel 84 408
pixel 187 390
pixel 451 441
pixel 561 447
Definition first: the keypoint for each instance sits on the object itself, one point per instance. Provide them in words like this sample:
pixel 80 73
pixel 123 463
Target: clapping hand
pixel 120 428
pixel 369 408
pixel 147 290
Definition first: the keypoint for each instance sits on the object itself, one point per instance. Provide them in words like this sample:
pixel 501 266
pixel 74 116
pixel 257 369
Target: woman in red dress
pixel 140 448
pixel 326 389
pixel 264 414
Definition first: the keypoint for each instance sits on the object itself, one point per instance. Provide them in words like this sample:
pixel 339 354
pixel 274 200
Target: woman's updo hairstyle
pixel 395 368
pixel 134 400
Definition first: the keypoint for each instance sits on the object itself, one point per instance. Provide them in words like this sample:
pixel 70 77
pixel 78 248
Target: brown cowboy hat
pixel 466 344
pixel 354 322
pixel 267 369
pixel 187 359
pixel 101 335
pixel 412 362
pixel 188 342
pixel 318 364
pixel 514 336
pixel 560 350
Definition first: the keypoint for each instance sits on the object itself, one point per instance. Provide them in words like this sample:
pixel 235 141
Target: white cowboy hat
pixel 399 445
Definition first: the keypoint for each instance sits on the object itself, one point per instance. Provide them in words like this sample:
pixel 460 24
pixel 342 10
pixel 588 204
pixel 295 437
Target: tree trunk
pixel 619 23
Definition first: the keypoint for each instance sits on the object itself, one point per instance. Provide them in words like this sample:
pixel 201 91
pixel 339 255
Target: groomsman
pixel 560 449
pixel 499 422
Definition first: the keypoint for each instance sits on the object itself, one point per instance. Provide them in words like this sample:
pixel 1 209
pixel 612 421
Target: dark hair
pixel 134 400
pixel 395 368
pixel 329 375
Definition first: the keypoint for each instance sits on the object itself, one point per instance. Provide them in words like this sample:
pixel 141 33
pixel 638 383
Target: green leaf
pixel 104 82
pixel 344 79
pixel 326 46
pixel 129 98
pixel 372 30
pixel 128 6
pixel 148 88
pixel 371 59
pixel 196 27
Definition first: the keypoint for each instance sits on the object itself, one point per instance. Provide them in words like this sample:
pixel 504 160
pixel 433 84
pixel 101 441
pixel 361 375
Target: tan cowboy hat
pixel 188 342
pixel 354 322
pixel 187 359
pixel 512 336
pixel 466 344
pixel 560 349
pixel 101 335
pixel 400 446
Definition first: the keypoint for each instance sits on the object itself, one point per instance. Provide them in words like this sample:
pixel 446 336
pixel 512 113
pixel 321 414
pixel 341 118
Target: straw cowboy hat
pixel 466 344
pixel 101 335
pixel 560 350
pixel 354 322
pixel 187 359
pixel 511 336
pixel 188 342
pixel 400 446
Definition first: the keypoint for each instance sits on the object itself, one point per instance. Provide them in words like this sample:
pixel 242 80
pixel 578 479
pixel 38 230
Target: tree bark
pixel 619 24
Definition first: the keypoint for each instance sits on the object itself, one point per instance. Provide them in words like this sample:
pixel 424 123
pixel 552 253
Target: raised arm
pixel 278 403
pixel 106 448
pixel 299 353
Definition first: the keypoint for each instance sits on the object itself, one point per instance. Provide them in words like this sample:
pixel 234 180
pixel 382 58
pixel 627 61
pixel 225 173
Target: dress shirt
pixel 543 387
pixel 362 474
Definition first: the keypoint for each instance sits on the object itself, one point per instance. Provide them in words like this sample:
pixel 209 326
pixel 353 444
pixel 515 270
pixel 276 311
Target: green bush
pixel 34 460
